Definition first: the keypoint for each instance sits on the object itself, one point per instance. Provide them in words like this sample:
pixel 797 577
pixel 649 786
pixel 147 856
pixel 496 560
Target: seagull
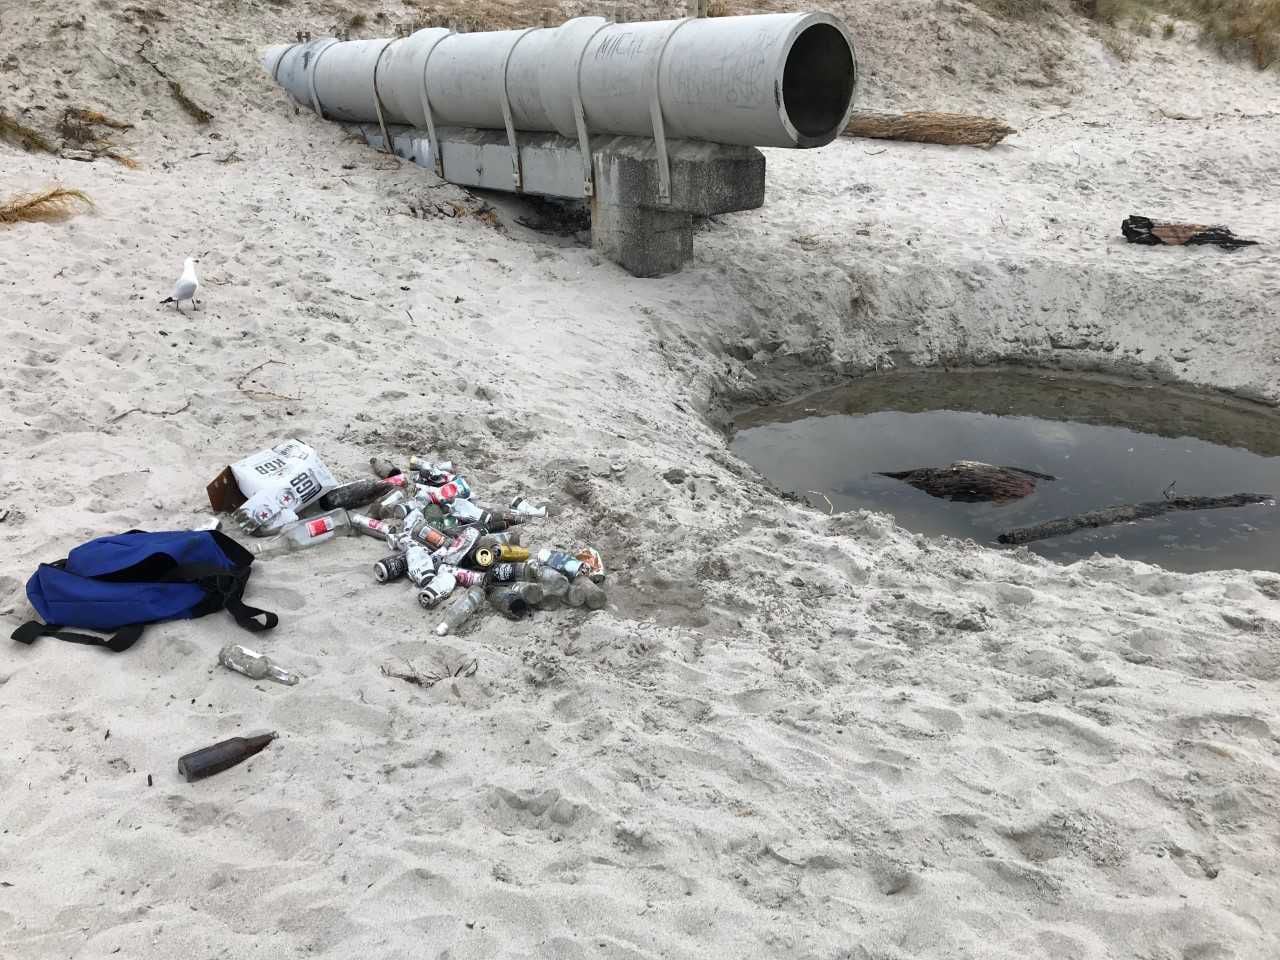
pixel 186 287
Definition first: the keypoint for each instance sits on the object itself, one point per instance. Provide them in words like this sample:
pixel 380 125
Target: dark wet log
pixel 1155 233
pixel 970 481
pixel 1126 514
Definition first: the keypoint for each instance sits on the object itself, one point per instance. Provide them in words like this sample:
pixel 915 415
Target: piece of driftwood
pixel 1126 514
pixel 971 481
pixel 1154 233
pixel 953 129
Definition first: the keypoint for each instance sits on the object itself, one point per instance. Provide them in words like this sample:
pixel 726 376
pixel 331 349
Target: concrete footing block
pixel 643 241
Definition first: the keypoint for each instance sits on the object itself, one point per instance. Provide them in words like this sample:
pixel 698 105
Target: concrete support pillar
pixel 643 241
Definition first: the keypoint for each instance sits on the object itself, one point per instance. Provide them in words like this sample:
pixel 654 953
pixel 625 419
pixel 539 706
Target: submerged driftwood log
pixel 952 129
pixel 1127 513
pixel 971 481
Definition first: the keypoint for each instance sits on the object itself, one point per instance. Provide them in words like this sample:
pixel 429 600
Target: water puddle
pixel 1104 443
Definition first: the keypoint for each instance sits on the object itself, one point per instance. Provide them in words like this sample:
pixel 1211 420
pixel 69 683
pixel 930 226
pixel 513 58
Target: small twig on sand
pixel 151 413
pixel 831 507
pixel 428 680
pixel 231 157
pixel 256 392
pixel 410 315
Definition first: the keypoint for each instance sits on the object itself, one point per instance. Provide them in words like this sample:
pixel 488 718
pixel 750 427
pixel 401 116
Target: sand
pixel 789 735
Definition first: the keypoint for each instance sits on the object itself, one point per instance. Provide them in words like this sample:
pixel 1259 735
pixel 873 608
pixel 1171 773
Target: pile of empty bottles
pixel 441 540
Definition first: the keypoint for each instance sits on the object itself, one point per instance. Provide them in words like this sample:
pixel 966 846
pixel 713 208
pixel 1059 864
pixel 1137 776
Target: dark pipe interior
pixel 817 83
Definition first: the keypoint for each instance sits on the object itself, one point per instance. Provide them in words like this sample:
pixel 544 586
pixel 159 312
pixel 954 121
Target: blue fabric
pixel 76 594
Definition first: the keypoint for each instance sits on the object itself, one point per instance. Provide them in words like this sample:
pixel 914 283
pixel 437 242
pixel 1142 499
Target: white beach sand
pixel 789 735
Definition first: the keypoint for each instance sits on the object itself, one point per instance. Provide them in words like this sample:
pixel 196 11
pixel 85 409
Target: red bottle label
pixel 316 528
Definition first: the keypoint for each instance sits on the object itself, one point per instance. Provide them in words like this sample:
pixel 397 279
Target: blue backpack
pixel 119 584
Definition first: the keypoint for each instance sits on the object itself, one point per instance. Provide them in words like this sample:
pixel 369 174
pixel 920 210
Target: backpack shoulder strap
pixel 118 642
pixel 226 589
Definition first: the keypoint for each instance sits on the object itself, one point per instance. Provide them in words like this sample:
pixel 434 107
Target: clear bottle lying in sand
pixel 515 601
pixel 306 533
pixel 583 592
pixel 467 604
pixel 253 664
pixel 554 583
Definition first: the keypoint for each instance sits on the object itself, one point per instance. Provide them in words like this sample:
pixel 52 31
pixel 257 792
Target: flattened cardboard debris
pixel 290 463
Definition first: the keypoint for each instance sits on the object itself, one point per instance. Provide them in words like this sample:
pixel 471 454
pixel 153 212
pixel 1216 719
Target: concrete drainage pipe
pixel 774 80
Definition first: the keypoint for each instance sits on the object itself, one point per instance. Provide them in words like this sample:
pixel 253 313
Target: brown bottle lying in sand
pixel 359 492
pixel 221 756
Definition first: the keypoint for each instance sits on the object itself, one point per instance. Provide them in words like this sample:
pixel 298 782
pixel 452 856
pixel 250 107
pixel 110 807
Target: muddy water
pixel 1107 443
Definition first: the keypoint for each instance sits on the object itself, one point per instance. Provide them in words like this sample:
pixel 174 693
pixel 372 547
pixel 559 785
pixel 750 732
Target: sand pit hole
pixel 1105 443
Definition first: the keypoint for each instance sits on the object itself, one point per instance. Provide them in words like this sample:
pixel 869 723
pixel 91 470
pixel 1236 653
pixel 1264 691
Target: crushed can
pixel 592 562
pixel 391 568
pixel 454 489
pixel 421 565
pixel 507 572
pixel 561 562
pixel 438 588
pixel 464 510
pixel 457 548
pixel 386 506
pixel 427 535
pixel 483 558
pixel 369 526
pixel 404 509
pixel 471 578
pixel 521 504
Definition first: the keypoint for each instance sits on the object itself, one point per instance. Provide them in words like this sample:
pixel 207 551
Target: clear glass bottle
pixel 554 583
pixel 253 664
pixel 306 533
pixel 583 593
pixel 460 609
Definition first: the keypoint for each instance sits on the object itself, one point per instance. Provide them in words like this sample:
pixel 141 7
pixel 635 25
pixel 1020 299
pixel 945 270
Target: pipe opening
pixel 817 83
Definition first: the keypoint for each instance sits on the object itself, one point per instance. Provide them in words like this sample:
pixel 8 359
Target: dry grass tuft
pixel 123 159
pixel 94 118
pixel 26 137
pixel 1235 28
pixel 77 127
pixel 718 8
pixel 55 203
pixel 482 15
pixel 357 20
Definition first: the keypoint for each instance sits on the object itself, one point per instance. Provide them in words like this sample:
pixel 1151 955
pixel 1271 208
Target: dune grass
pixel 28 138
pixel 54 203
pixel 1240 29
